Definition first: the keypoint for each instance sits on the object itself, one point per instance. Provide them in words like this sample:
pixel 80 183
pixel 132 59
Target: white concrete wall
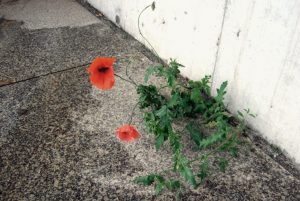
pixel 254 44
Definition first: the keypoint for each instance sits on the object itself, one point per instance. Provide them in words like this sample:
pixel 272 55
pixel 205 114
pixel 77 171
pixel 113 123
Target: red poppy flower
pixel 127 133
pixel 102 73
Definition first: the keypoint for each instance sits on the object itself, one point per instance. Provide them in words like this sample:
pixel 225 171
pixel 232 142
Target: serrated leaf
pixel 175 142
pixel 173 63
pixel 187 173
pixel 159 184
pixel 162 111
pixel 158 188
pixel 159 141
pixel 194 133
pixel 145 180
pixel 173 184
pixel 210 140
pixel 165 117
pixel 150 71
pixel 174 100
pixel 149 96
pixel 150 122
pixel 221 92
pixel 171 79
pixel 196 95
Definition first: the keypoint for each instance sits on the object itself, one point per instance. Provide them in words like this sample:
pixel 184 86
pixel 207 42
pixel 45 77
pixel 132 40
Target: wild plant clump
pixel 185 101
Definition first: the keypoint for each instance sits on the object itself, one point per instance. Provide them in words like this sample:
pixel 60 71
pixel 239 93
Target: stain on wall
pixel 117 19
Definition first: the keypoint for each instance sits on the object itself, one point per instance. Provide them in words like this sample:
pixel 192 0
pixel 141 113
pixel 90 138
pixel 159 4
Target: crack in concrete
pixel 43 75
pixel 218 42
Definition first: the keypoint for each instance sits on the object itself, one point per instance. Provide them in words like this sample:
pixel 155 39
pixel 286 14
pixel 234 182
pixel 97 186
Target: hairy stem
pixel 132 114
pixel 130 81
pixel 140 31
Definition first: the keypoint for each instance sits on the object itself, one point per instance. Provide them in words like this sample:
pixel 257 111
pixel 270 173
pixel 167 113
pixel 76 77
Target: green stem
pixel 209 153
pixel 132 113
pixel 178 84
pixel 126 70
pixel 140 31
pixel 212 117
pixel 130 81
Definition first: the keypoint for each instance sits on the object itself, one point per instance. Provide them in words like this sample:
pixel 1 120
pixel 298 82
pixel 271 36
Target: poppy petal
pixel 102 79
pixel 127 133
pixel 101 61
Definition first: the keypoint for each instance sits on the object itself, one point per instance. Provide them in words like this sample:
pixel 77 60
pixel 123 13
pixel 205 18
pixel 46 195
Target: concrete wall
pixel 254 44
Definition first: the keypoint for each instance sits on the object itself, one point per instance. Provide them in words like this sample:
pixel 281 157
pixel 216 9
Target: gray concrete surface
pixel 37 52
pixel 38 14
pixel 57 134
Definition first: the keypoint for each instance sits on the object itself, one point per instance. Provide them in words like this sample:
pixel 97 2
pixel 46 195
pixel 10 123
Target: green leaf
pixel 221 92
pixel 159 184
pixel 150 121
pixel 241 114
pixel 148 73
pixel 247 110
pixel 223 163
pixel 159 140
pixel 249 113
pixel 171 79
pixel 149 96
pixel 189 176
pixel 210 140
pixel 187 173
pixel 206 84
pixel 187 100
pixel 175 142
pixel 152 70
pixel 159 187
pixel 171 72
pixel 173 63
pixel 174 100
pixel 173 184
pixel 145 180
pixel 163 111
pixel 203 86
pixel 196 95
pixel 165 117
pixel 194 133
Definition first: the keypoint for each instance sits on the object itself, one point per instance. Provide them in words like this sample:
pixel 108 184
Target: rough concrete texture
pixel 57 134
pixel 38 14
pixel 37 52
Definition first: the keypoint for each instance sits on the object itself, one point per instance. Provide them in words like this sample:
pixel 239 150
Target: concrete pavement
pixel 57 134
